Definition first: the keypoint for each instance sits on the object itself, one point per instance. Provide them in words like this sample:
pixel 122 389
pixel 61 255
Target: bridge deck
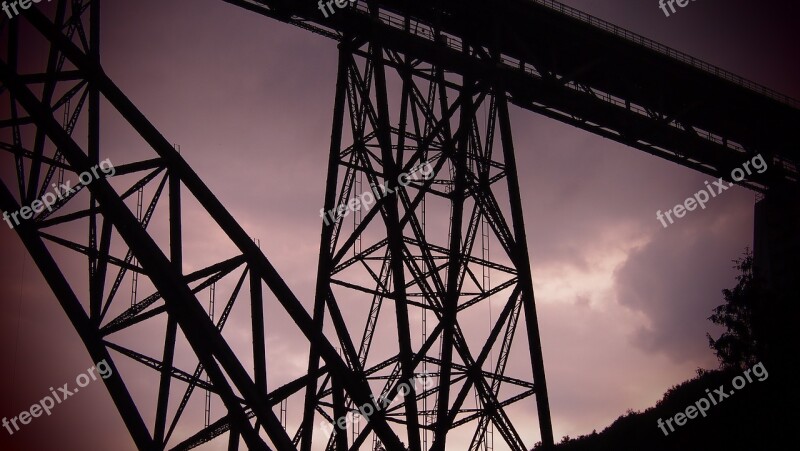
pixel 578 69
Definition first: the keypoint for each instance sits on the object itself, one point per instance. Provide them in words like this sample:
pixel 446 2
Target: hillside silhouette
pixel 753 418
pixel 760 415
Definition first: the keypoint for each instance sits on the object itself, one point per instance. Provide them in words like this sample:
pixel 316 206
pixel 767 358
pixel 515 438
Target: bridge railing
pixel 665 50
pixel 426 32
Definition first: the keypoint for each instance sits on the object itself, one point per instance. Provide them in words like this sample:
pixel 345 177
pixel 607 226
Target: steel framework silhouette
pixel 413 88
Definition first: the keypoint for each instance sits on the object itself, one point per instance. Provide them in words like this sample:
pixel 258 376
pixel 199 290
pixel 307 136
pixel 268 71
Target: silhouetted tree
pixel 740 345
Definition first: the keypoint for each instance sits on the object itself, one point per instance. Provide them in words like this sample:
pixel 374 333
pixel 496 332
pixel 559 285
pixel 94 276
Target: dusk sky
pixel 622 301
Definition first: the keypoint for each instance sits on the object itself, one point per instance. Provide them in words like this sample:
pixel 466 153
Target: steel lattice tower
pixel 420 251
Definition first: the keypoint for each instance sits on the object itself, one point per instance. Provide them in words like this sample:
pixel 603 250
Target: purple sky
pixel 622 301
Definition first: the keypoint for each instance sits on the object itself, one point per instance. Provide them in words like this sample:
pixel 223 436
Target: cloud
pixel 676 279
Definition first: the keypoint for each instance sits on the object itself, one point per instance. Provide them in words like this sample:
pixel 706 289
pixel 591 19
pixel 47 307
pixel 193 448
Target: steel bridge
pixel 411 78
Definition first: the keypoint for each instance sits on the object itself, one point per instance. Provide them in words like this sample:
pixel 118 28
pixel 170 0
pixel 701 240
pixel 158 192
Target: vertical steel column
pixel 233 439
pixel 394 232
pixel 176 256
pixel 326 236
pixel 526 282
pixel 259 345
pixel 455 262
pixel 93 149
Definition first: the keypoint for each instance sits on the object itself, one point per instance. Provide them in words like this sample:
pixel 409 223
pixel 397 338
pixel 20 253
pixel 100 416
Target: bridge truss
pixel 53 130
pixel 429 259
